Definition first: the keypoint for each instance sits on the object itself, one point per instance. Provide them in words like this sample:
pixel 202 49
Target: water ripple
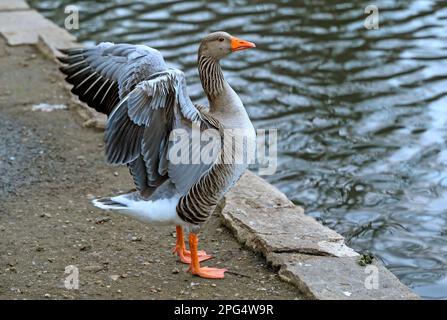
pixel 361 113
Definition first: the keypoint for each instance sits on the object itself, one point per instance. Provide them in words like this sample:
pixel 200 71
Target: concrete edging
pixel 309 255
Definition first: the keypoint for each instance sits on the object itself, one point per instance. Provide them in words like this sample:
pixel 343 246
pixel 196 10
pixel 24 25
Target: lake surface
pixel 361 114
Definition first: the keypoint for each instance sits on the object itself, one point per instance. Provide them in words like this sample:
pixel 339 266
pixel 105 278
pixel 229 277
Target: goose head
pixel 219 44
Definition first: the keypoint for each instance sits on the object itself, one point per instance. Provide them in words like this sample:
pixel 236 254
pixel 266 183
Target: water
pixel 362 114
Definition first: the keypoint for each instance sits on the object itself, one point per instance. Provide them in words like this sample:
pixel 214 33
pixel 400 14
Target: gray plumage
pixel 145 102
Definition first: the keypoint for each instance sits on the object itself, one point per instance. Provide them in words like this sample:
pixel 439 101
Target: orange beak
pixel 239 44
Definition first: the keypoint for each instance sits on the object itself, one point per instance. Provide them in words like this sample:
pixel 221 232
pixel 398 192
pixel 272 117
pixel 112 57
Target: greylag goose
pixel 146 102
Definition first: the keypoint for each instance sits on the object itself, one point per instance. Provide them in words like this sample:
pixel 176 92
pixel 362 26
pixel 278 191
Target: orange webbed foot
pixel 196 269
pixel 185 255
pixel 208 273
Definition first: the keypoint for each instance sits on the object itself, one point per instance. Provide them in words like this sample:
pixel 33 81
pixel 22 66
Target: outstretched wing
pixel 103 75
pixel 139 129
pixel 145 102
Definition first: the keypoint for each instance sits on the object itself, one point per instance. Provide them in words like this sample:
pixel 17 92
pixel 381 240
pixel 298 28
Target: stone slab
pixel 263 218
pixel 25 27
pixel 309 255
pixel 332 278
pixel 8 5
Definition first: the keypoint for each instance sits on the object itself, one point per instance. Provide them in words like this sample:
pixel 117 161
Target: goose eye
pixel 221 39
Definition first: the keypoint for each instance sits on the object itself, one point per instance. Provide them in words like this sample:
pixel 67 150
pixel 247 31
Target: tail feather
pixel 160 211
pixel 108 204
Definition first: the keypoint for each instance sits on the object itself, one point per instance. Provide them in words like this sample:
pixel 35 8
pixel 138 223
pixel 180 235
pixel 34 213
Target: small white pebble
pixel 46 107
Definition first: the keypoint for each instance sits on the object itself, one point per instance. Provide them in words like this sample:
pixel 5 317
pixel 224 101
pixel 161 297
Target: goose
pixel 147 103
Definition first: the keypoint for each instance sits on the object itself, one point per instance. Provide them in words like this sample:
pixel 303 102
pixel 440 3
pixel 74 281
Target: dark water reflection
pixel 362 114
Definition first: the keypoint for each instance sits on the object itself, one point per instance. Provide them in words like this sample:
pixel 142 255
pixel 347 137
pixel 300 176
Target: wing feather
pixel 159 106
pixel 118 68
pixel 145 103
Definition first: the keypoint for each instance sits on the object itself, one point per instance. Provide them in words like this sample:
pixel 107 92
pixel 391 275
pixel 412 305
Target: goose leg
pixel 180 249
pixel 195 268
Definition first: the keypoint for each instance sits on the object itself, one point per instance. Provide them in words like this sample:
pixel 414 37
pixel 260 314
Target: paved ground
pixel 50 168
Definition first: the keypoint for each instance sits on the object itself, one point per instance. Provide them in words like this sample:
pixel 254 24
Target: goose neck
pixel 211 76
